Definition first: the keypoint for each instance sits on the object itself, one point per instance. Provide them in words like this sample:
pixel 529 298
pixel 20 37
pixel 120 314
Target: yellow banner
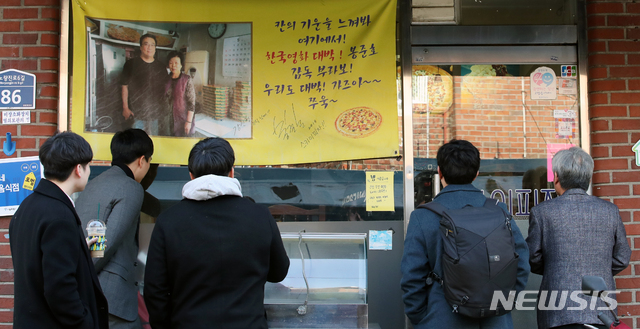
pixel 283 81
pixel 380 191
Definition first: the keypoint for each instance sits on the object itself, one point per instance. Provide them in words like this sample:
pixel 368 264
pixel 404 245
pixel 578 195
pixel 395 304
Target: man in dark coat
pixel 55 282
pixel 212 253
pixel 425 305
pixel 572 236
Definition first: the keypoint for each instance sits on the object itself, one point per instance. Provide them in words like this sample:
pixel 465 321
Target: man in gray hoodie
pixel 211 254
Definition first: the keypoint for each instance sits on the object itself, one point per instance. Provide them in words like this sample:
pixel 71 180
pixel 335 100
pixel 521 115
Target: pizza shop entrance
pixel 514 92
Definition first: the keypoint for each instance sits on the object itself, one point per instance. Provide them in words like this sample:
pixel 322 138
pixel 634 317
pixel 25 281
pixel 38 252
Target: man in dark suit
pixel 55 282
pixel 118 195
pixel 211 254
pixel 572 236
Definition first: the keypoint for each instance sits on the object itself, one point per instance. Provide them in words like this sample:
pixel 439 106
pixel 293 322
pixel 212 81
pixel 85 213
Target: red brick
pixel 47 77
pixel 6 263
pixel 9 2
pixel 47 91
pixel 50 13
pixel 19 64
pixel 609 164
pixel 602 125
pixel 42 2
pixel 50 39
pixel 626 271
pixel 625 124
pixel 627 203
pixel 49 104
pixel 20 13
pixel 626 176
pixel 49 64
pixel 633 59
pixel 40 52
pixel 37 130
pixel 606 59
pixel 10 26
pixel 6 289
pixel 604 8
pixel 627 71
pixel 625 216
pixel 621 151
pixel 597 46
pixel 6 317
pixel 9 51
pixel 6 276
pixel 603 33
pixel 28 153
pixel 607 111
pixel 19 39
pixel 627 283
pixel 601 177
pixel 41 26
pixel 625 296
pixel 633 84
pixel 607 85
pixel 633 8
pixel 627 20
pixel 25 143
pixel 611 190
pixel 633 33
pixel 624 46
pixel 625 98
pixel 607 137
pixel 634 111
pixel 6 302
pixel 595 99
pixel 47 117
pixel 599 151
pixel 596 20
pixel 5 250
pixel 636 191
pixel 598 72
pixel 632 229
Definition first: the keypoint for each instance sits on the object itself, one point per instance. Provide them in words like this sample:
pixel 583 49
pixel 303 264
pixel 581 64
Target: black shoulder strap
pixel 435 207
pixel 489 202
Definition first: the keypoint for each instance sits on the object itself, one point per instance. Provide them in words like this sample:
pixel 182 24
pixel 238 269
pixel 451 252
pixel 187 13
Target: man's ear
pixel 191 176
pixel 232 172
pixel 78 170
pixel 556 180
pixel 140 159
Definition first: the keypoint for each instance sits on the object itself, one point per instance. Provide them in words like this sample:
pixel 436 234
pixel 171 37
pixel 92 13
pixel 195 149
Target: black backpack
pixel 479 257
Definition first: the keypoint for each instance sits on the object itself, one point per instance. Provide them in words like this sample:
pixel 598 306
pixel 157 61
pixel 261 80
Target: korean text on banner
pixel 18 179
pixel 284 83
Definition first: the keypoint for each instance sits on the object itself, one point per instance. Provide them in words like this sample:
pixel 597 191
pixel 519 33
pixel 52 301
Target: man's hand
pixel 90 242
pixel 127 114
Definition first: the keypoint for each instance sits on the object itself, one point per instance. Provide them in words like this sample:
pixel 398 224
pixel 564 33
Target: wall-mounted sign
pixel 565 123
pixel 569 71
pixel 636 149
pixel 18 178
pixel 16 117
pixel 380 191
pixel 380 240
pixel 17 90
pixel 543 84
pixel 567 86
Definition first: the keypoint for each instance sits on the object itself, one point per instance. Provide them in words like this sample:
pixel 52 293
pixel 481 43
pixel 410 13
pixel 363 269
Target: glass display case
pixel 326 286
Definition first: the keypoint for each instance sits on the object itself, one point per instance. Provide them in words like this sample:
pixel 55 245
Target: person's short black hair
pixel 211 156
pixel 148 36
pixel 61 153
pixel 459 161
pixel 128 145
pixel 178 54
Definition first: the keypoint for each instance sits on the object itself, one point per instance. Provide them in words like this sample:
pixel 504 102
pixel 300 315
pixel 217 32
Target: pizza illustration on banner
pixel 358 122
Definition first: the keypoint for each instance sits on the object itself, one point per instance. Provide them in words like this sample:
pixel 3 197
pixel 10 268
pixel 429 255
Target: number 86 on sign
pixel 17 90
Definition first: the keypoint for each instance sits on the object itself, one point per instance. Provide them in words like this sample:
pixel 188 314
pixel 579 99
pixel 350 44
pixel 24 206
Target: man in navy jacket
pixel 425 305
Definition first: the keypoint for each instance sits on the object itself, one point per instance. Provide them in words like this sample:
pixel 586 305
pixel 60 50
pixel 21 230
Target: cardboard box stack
pixel 215 101
pixel 241 106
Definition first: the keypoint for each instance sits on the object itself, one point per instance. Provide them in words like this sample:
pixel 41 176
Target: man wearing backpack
pixel 427 303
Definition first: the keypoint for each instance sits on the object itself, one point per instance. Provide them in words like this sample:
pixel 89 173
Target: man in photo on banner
pixel 143 81
pixel 211 254
pixel 55 281
pixel 115 197
pixel 571 236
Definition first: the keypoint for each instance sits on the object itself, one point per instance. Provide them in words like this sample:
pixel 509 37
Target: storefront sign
pixel 565 123
pixel 552 149
pixel 380 191
pixel 18 178
pixel 284 84
pixel 16 117
pixel 543 84
pixel 567 86
pixel 17 90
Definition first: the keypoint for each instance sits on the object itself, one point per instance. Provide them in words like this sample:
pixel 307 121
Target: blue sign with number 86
pixel 17 90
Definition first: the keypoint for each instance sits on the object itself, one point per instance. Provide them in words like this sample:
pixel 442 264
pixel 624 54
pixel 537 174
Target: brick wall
pixel 614 96
pixel 29 35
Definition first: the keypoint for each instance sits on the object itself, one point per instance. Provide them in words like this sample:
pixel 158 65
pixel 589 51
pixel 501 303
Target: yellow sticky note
pixel 380 191
pixel 29 182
